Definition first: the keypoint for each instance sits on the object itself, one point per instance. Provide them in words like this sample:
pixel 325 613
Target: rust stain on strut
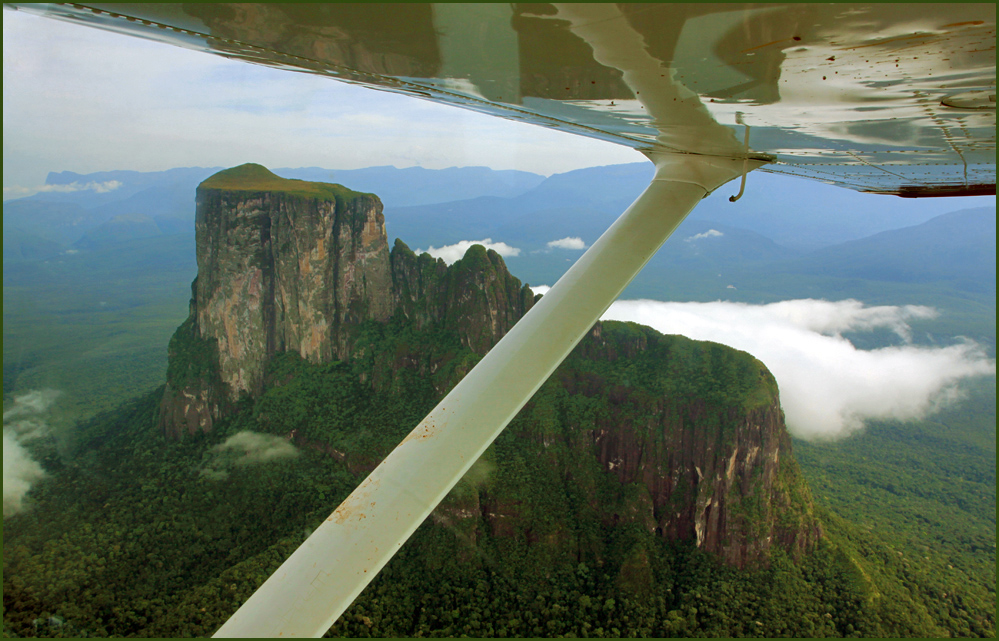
pixel 353 504
pixel 429 428
pixel 962 24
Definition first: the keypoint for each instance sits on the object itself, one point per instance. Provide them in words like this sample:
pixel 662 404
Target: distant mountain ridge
pixel 958 247
pixel 801 215
pixel 421 186
pixel 723 251
pixel 65 216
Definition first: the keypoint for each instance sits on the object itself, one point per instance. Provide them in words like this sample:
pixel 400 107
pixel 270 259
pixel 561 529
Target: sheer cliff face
pixel 718 471
pixel 636 431
pixel 288 265
pixel 284 272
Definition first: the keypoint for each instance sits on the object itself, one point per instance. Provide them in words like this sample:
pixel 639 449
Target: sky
pixel 84 100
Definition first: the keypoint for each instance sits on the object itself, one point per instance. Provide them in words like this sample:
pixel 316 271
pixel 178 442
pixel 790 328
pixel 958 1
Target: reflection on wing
pixel 885 98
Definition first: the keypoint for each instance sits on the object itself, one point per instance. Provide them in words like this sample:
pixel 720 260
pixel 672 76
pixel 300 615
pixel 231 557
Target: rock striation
pixel 717 464
pixel 282 265
pixel 285 265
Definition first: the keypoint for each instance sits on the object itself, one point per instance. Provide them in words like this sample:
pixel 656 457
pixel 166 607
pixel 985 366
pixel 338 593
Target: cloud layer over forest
pixel 243 449
pixel 23 422
pixel 828 386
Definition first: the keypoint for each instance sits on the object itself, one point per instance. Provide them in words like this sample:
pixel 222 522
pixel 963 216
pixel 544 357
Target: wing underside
pixel 884 98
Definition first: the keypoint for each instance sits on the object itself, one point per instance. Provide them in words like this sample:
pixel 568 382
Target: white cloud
pixel 20 471
pixel 26 429
pixel 246 448
pixel 23 422
pixel 254 447
pixel 452 253
pixel 828 386
pixel 33 402
pixel 100 188
pixel 711 233
pixel 835 317
pixel 569 242
pixel 17 191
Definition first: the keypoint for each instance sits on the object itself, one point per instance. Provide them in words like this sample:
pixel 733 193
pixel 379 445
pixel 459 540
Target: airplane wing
pixel 882 98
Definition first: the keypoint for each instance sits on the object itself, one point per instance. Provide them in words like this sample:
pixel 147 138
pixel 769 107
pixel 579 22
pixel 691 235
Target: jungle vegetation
pixel 132 534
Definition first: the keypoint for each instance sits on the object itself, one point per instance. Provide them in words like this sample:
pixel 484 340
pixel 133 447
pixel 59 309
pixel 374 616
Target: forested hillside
pixel 140 535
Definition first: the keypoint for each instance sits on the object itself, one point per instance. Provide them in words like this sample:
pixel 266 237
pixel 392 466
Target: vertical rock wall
pixel 719 472
pixel 283 265
pixel 283 272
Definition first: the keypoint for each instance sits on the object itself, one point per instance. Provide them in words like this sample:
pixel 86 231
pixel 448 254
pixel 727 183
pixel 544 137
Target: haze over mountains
pixel 797 214
pixel 959 247
pixel 777 218
pixel 784 239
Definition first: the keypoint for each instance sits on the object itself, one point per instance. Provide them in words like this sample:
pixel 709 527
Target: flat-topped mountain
pixel 290 268
pixel 290 265
pixel 257 178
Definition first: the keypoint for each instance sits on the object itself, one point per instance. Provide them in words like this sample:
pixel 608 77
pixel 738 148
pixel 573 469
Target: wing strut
pixel 321 578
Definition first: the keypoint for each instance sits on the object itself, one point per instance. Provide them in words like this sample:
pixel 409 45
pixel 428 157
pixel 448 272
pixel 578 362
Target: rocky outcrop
pixel 290 265
pixel 195 396
pixel 192 408
pixel 476 297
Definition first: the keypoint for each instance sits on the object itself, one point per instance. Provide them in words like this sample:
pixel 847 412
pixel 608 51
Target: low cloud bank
pixel 32 403
pixel 246 448
pixel 452 253
pixel 828 386
pixel 23 422
pixel 100 188
pixel 569 242
pixel 16 191
pixel 20 471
